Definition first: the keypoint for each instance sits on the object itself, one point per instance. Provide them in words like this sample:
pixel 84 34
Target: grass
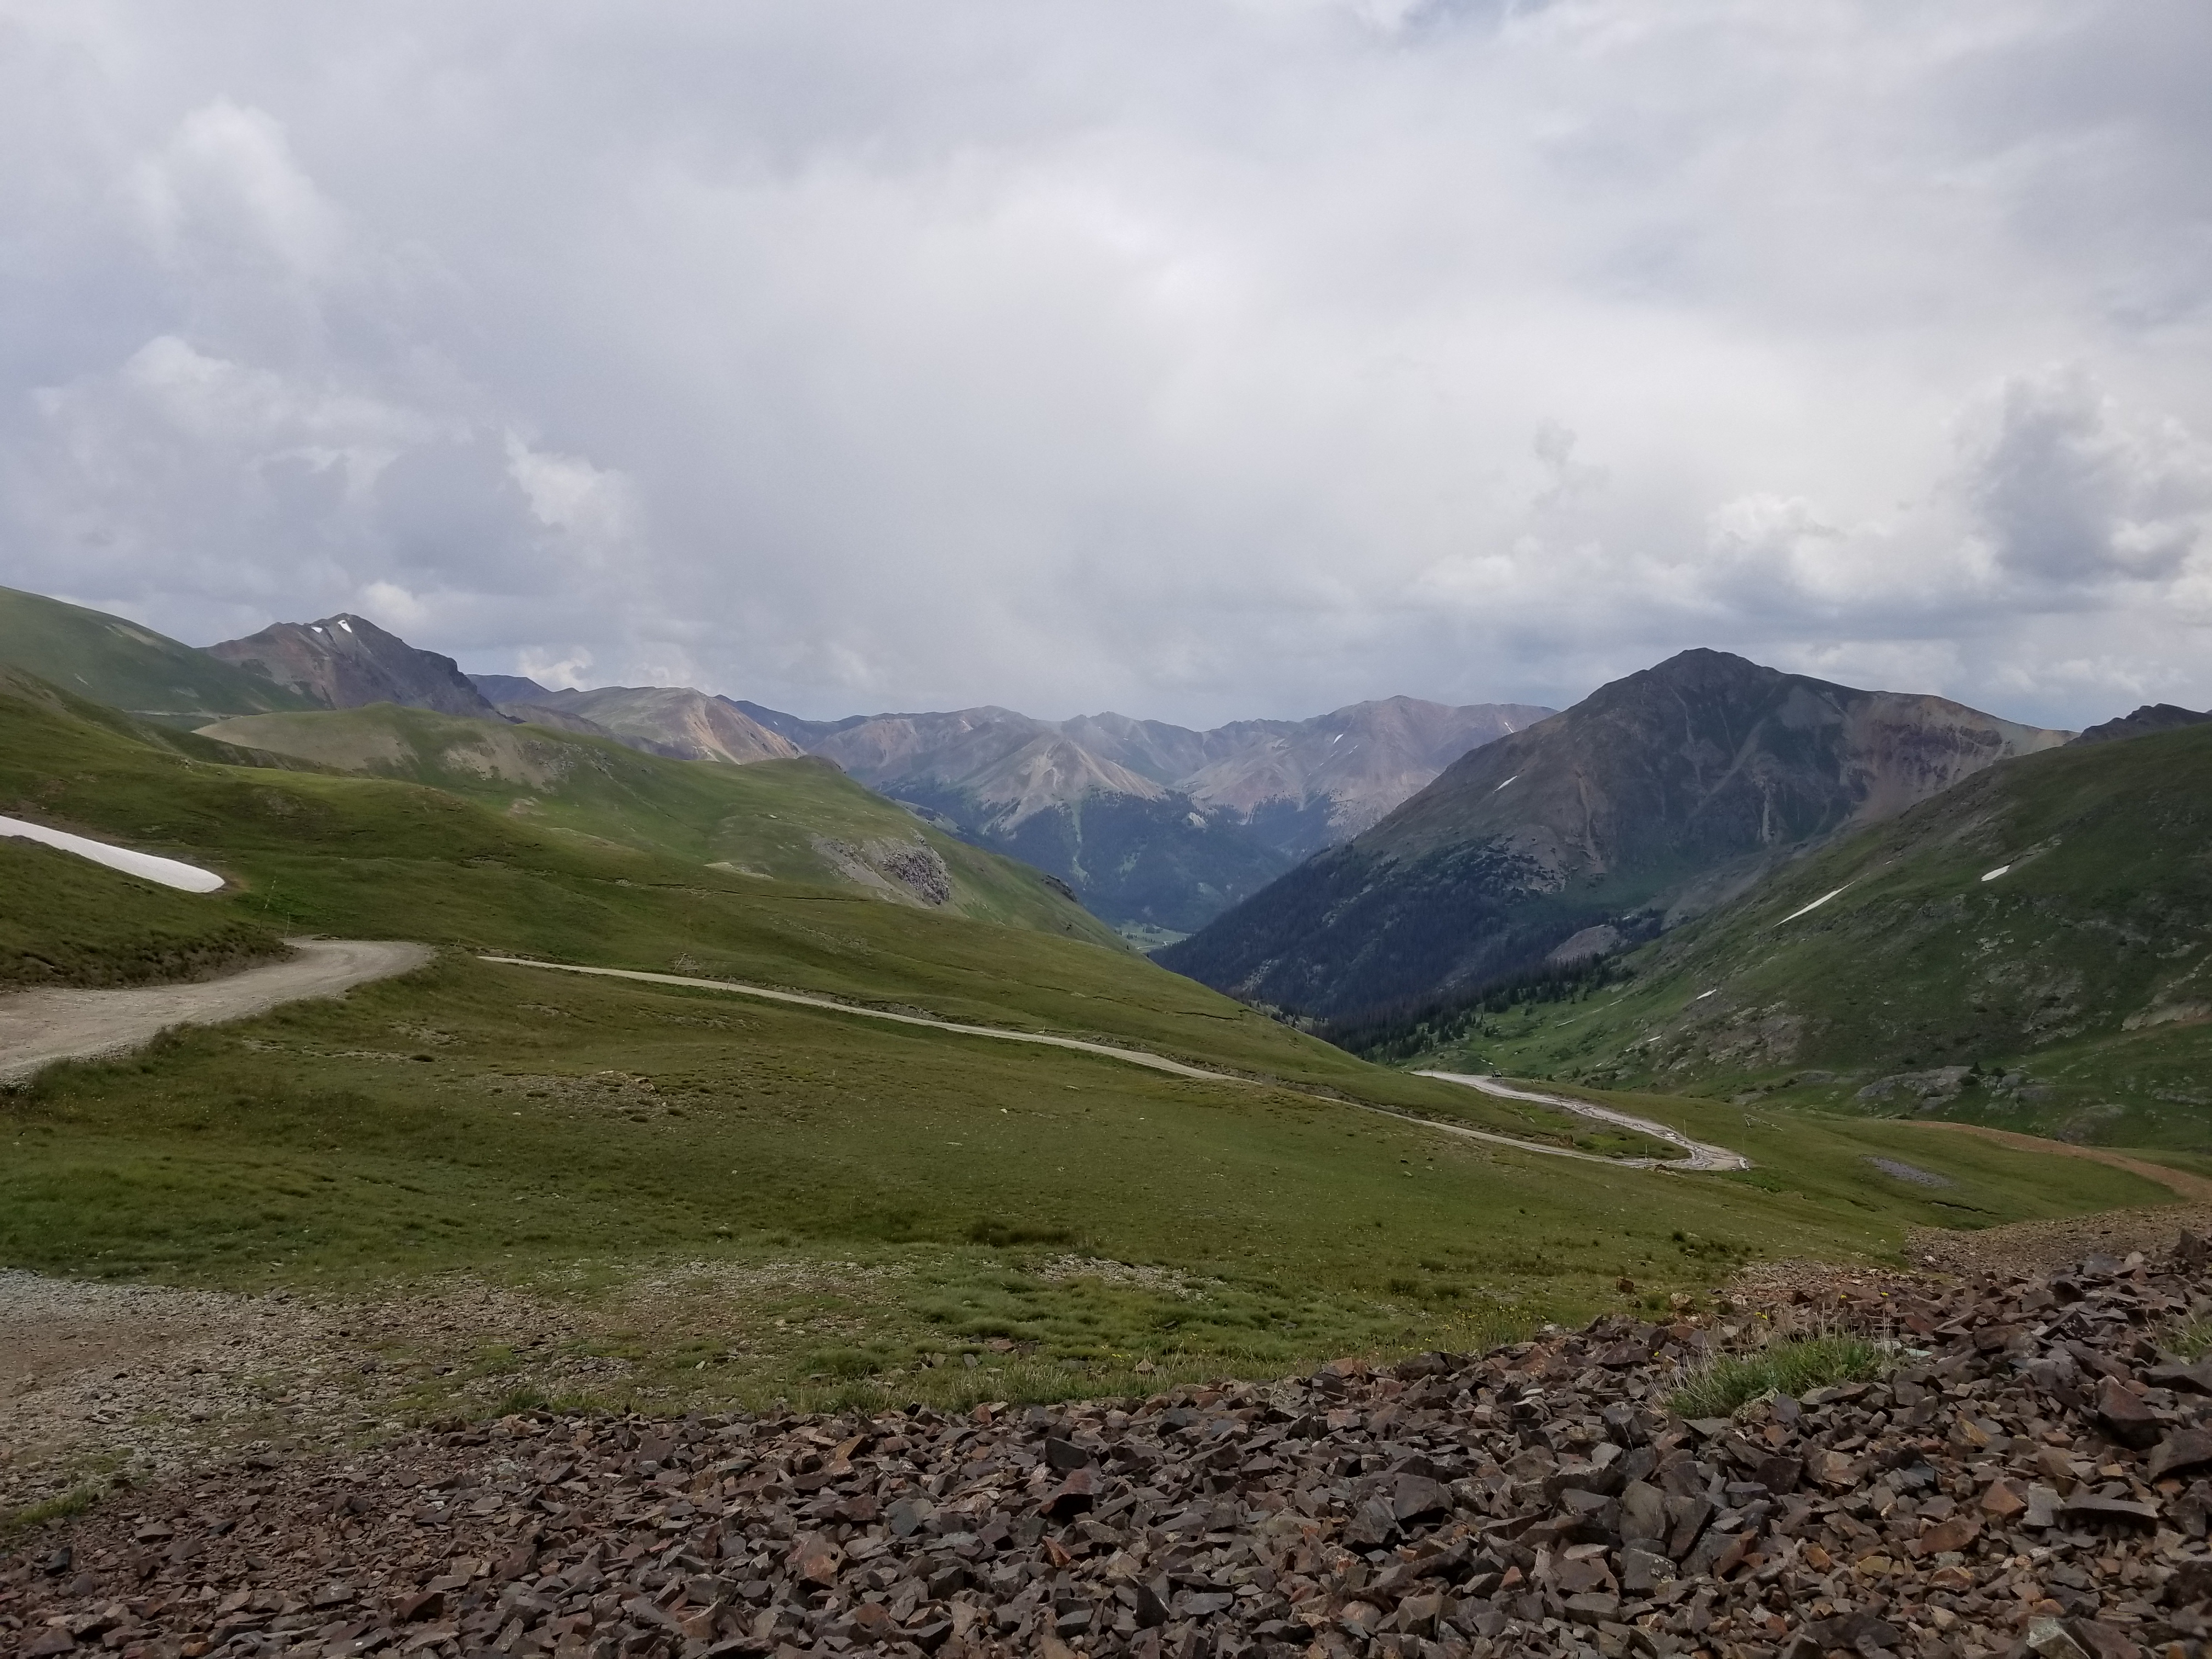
pixel 69 921
pixel 75 1501
pixel 1721 1385
pixel 2188 1339
pixel 757 1201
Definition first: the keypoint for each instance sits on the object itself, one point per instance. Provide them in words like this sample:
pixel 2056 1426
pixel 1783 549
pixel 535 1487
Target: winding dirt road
pixel 1701 1156
pixel 37 1028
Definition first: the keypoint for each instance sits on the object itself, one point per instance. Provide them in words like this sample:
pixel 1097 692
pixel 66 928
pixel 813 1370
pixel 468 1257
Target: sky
pixel 1198 360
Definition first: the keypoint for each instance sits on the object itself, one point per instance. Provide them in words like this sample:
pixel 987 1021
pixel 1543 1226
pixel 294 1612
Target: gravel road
pixel 37 1028
pixel 1702 1156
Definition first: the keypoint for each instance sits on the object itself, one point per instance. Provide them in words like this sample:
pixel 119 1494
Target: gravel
pixel 2030 1477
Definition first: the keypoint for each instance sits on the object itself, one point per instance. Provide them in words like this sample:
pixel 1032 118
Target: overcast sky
pixel 1194 360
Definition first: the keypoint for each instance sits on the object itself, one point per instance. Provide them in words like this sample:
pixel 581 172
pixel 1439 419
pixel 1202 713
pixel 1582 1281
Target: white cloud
pixel 1202 360
pixel 2070 491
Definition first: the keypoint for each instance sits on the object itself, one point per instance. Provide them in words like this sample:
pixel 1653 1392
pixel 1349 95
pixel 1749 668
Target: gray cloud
pixel 1204 360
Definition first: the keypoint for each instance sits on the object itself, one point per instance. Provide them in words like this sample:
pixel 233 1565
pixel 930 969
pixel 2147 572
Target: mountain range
pixel 1155 827
pixel 1158 828
pixel 1708 876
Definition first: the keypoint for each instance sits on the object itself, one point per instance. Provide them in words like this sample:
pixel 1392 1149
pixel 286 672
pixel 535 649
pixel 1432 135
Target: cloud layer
pixel 1196 359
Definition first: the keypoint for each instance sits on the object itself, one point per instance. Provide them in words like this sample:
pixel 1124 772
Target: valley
pixel 713 1082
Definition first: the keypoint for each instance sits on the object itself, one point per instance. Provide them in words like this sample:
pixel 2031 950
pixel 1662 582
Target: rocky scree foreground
pixel 2025 1479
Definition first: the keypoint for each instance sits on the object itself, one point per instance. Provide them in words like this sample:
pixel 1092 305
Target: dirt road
pixel 37 1028
pixel 1702 1156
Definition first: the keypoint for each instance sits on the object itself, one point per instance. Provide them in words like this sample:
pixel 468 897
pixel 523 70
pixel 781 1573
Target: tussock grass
pixel 2188 1339
pixel 1720 1386
pixel 75 1501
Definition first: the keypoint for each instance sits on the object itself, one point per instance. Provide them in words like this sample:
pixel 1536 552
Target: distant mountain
pixel 115 661
pixel 1158 827
pixel 676 720
pixel 1309 784
pixel 2151 717
pixel 508 688
pixel 1657 796
pixel 804 733
pixel 346 661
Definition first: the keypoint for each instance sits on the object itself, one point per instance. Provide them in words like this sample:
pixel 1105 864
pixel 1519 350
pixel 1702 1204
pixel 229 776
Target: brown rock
pixel 2125 1415
pixel 2185 1448
pixel 2003 1500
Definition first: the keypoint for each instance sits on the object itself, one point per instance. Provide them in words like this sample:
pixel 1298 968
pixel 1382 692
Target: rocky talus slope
pixel 2030 1477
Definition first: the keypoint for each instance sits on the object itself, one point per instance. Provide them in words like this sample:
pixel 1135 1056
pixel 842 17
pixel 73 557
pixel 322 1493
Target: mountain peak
pixel 346 662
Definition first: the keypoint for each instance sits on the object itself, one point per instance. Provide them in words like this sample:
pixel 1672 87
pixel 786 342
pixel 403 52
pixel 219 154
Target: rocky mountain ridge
pixel 346 661
pixel 1656 797
pixel 1157 827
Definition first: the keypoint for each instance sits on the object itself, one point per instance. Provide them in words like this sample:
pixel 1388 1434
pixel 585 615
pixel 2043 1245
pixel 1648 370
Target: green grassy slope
pixel 2077 984
pixel 65 921
pixel 903 1192
pixel 377 858
pixel 114 661
pixel 798 821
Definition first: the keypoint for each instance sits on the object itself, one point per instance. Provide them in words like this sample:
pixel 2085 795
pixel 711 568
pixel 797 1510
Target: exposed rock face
pixel 1008 763
pixel 686 724
pixel 2151 717
pixel 1672 774
pixel 2028 1474
pixel 349 662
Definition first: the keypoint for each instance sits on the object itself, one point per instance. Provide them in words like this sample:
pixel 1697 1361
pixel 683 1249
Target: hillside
pixel 2032 948
pixel 68 923
pixel 1659 794
pixel 113 660
pixel 309 851
pixel 795 820
pixel 346 661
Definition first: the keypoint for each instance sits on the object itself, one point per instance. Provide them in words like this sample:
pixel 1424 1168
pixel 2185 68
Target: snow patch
pixel 1814 905
pixel 1516 778
pixel 170 873
pixel 1995 874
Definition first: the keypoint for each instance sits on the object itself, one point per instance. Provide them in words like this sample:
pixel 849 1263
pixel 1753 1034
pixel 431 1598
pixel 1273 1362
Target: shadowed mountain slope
pixel 2151 717
pixel 348 662
pixel 1663 792
pixel 115 661
pixel 2031 948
